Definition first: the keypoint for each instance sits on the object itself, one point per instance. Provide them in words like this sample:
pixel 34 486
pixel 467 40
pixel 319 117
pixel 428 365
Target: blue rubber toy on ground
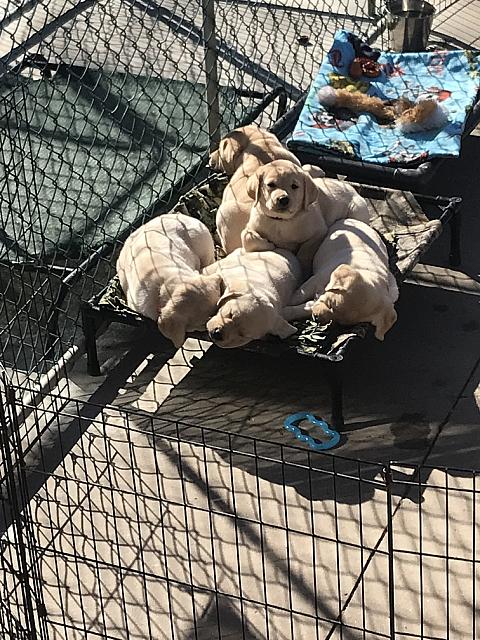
pixel 291 424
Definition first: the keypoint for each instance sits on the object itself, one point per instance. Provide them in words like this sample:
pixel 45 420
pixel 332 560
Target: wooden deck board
pixel 117 36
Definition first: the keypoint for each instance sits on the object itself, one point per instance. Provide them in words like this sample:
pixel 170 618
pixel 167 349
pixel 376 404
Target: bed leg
pixel 89 326
pixel 335 380
pixel 455 256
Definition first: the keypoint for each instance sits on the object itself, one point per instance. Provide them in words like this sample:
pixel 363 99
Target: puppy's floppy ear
pixel 282 328
pixel 384 321
pixel 230 148
pixel 310 191
pixel 214 161
pixel 342 278
pixel 215 280
pixel 253 186
pixel 227 296
pixel 172 326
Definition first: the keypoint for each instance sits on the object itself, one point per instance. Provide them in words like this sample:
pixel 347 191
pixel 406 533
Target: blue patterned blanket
pixel 451 77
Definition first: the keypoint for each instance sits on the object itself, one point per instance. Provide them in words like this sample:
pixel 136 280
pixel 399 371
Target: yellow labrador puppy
pixel 240 154
pixel 258 286
pixel 248 148
pixel 234 211
pixel 159 270
pixel 351 282
pixel 291 209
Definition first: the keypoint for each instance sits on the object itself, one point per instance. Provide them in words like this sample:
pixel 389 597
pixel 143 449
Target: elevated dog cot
pixel 408 223
pixel 366 150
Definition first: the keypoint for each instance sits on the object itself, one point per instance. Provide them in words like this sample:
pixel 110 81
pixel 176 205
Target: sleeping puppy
pixel 159 270
pixel 248 148
pixel 258 286
pixel 293 211
pixel 351 282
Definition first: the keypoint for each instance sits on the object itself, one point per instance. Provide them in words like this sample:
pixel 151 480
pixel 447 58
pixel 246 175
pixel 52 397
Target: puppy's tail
pixel 298 312
pixel 307 291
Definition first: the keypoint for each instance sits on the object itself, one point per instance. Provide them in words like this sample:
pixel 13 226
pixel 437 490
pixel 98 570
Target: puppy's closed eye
pixel 294 186
pixel 271 185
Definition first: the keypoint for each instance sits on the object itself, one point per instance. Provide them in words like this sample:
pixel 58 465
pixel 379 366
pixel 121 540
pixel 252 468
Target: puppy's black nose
pixel 216 334
pixel 283 201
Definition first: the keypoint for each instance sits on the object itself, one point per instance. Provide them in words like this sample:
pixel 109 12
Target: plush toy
pixel 425 115
pixel 362 66
pixel 355 101
pixel 408 116
pixel 365 62
pixel 362 49
pixel 338 81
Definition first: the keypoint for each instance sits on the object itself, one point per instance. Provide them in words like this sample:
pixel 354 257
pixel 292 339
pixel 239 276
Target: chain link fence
pixel 109 110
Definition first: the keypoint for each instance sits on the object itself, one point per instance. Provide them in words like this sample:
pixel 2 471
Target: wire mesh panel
pixel 109 109
pixel 150 528
pixel 136 526
pixel 20 586
pixel 435 558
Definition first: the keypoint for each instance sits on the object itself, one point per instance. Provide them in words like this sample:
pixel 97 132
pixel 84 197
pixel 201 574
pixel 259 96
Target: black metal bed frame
pixel 96 317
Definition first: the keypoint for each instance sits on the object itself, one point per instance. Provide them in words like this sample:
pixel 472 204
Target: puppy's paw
pixel 321 311
pixel 172 330
pixel 251 241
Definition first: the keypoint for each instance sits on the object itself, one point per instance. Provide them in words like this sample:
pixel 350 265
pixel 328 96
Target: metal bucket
pixel 409 23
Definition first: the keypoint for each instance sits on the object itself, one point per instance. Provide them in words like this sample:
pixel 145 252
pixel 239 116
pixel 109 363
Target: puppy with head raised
pixel 240 154
pixel 351 283
pixel 234 211
pixel 283 214
pixel 159 271
pixel 258 286
pixel 293 211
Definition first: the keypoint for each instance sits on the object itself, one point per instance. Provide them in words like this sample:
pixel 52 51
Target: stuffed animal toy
pixel 355 101
pixel 408 116
pixel 425 115
pixel 365 62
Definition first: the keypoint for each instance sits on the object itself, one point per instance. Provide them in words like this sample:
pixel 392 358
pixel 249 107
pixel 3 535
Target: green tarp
pixel 84 153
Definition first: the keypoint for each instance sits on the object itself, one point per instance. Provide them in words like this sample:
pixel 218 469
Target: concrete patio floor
pixel 413 400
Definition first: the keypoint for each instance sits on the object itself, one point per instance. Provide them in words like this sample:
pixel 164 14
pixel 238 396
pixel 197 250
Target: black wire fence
pixel 148 528
pixel 122 525
pixel 108 110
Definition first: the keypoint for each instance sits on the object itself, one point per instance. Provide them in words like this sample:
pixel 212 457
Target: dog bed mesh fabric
pixel 396 215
